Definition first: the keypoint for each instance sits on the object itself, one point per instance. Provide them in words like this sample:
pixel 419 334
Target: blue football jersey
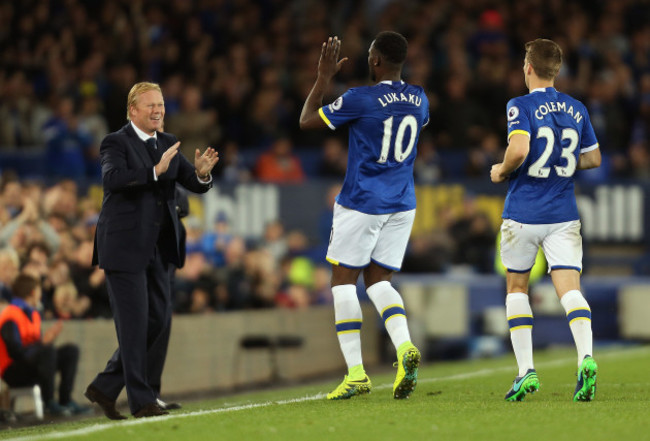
pixel 541 190
pixel 384 125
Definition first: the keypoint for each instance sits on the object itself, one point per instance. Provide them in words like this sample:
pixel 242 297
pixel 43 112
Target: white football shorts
pixel 561 243
pixel 357 238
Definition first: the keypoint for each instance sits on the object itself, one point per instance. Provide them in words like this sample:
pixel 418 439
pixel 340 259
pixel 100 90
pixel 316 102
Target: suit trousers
pixel 41 368
pixel 142 311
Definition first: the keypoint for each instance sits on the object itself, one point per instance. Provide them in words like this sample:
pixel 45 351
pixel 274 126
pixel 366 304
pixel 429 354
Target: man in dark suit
pixel 137 244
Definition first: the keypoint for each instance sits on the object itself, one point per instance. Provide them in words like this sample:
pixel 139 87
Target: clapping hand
pixel 205 162
pixel 166 158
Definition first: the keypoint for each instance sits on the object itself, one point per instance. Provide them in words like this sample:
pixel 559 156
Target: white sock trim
pixel 517 296
pixel 379 286
pixel 571 297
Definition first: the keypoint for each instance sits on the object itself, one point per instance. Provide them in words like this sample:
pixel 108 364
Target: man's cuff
pixel 206 181
pixel 155 176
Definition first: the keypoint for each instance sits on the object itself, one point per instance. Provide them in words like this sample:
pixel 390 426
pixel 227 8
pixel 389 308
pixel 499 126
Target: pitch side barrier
pixel 222 352
pixel 617 212
pixel 464 314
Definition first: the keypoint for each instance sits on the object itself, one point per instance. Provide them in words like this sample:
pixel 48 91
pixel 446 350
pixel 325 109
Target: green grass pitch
pixel 453 401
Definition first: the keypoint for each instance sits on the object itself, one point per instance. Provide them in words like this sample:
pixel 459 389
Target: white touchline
pixel 483 372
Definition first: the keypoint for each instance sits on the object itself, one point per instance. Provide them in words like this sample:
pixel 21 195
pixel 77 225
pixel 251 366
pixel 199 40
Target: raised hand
pixel 329 63
pixel 166 158
pixel 205 162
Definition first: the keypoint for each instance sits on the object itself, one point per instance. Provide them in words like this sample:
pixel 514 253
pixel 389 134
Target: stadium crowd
pixel 234 75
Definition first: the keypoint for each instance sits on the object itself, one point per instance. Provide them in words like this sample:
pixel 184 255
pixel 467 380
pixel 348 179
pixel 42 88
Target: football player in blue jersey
pixel 374 211
pixel 550 137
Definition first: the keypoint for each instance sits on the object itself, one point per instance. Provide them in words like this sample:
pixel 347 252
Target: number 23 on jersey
pixel 541 169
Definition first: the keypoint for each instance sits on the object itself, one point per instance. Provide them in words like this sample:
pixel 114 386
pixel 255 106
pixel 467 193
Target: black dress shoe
pixel 150 410
pixel 167 406
pixel 107 405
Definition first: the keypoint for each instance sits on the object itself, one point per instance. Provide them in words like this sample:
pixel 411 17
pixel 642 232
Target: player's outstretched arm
pixel 590 159
pixel 515 155
pixel 328 65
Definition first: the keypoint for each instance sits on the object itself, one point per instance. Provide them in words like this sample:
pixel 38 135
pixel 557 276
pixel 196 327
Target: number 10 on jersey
pixel 401 153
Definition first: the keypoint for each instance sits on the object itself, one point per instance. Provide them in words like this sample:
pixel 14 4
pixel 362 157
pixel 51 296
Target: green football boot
pixel 527 384
pixel 407 373
pixel 586 386
pixel 349 388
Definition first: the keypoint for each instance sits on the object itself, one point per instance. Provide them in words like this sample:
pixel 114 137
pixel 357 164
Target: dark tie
pixel 153 149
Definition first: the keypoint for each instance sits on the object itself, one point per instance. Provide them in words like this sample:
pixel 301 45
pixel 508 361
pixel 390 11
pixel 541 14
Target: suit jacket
pixel 130 219
pixel 182 210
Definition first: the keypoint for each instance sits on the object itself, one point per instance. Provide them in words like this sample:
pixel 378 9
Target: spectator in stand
pixel 193 234
pixel 480 158
pixel 297 272
pixel 66 303
pixel 28 357
pixel 459 121
pixel 68 146
pixel 173 86
pixel 19 112
pixel 428 167
pixel 36 262
pixel 263 275
pixel 301 266
pixel 428 253
pixel 93 122
pixel 194 125
pixel 120 79
pixel 26 227
pixel 637 162
pixel 279 165
pixel 11 196
pixel 9 268
pixel 201 298
pixel 215 241
pixel 639 153
pixel 188 278
pixel 231 168
pixel 237 278
pixel 275 240
pixel 90 281
pixel 474 238
pixel 607 111
pixel 334 162
pixel 321 292
pixel 256 84
pixel 62 199
pixel 269 112
pixel 294 297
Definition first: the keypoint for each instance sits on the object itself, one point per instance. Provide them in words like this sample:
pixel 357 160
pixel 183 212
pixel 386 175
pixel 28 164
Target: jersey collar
pixel 390 83
pixel 542 89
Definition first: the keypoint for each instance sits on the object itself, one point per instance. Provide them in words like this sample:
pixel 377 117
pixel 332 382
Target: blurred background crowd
pixel 234 74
